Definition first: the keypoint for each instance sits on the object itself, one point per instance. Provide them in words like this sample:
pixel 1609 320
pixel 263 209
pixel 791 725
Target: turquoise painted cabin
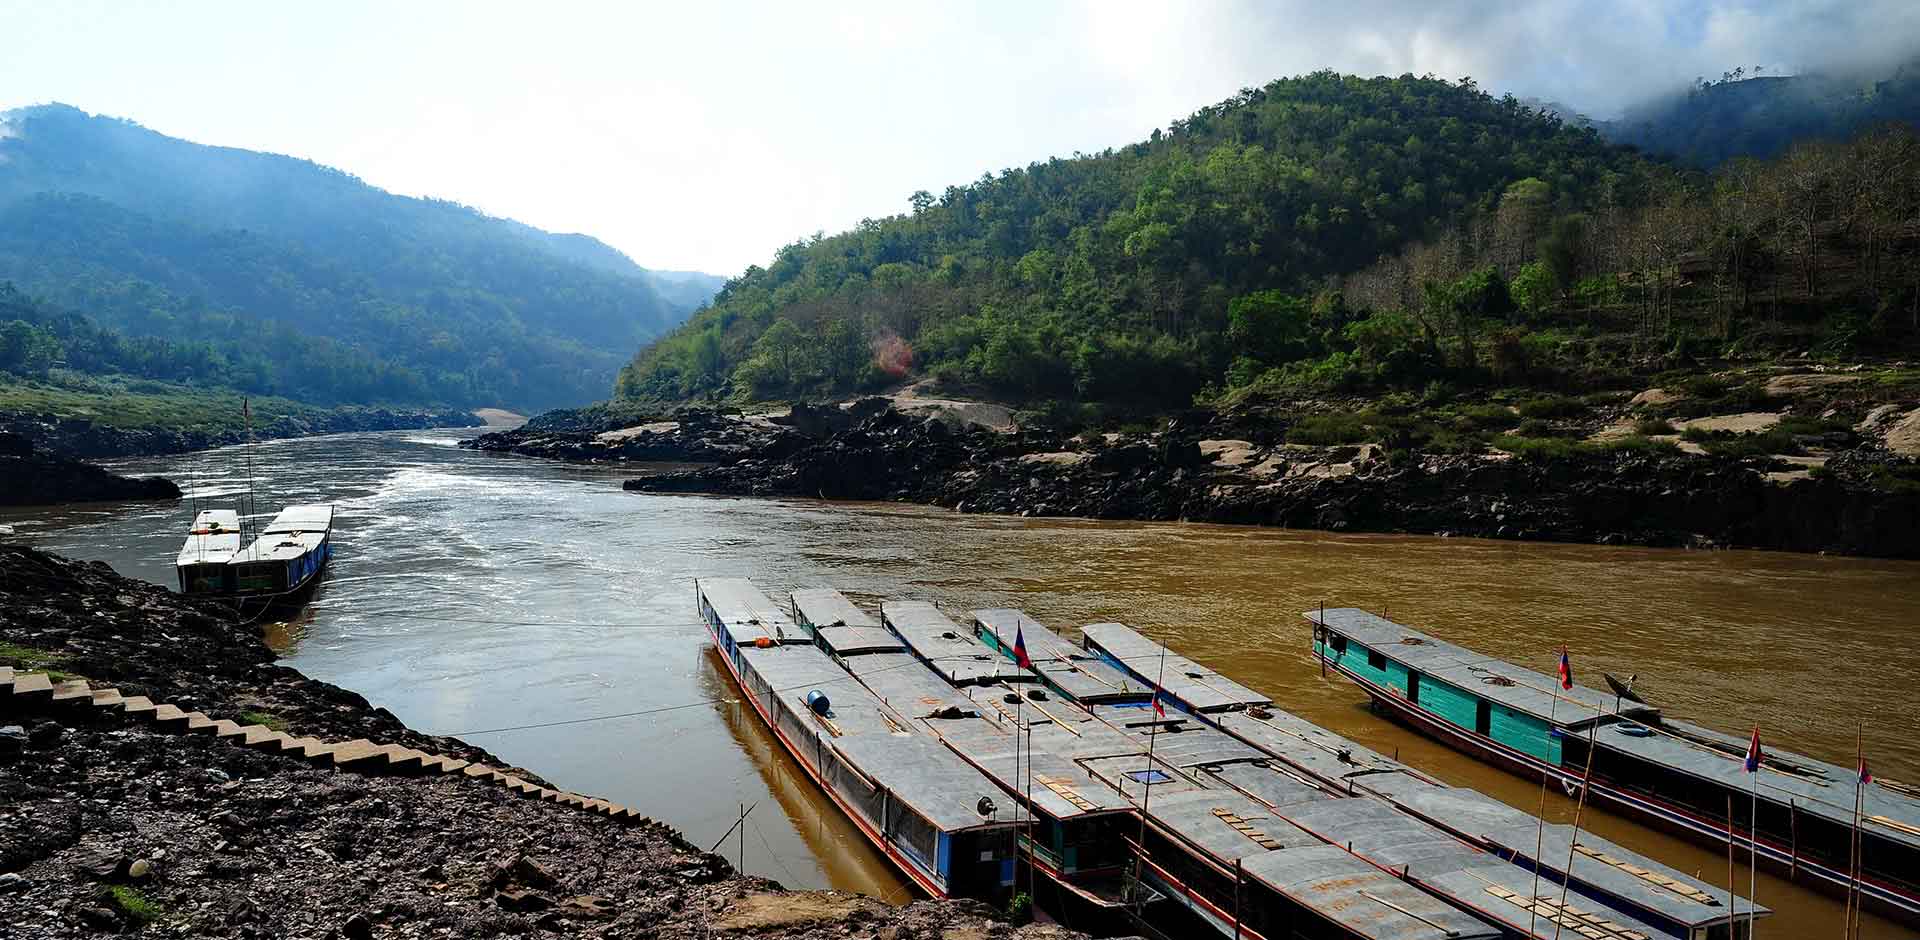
pixel 1457 706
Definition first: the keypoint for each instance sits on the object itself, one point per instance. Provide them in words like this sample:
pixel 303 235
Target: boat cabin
pixel 946 647
pixel 212 541
pixel 840 627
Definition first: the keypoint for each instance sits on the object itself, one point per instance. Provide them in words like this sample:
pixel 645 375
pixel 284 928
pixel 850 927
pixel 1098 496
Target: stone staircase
pixel 36 691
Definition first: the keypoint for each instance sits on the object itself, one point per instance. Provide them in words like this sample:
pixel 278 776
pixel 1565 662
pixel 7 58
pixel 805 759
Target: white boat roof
pixel 213 538
pixel 296 531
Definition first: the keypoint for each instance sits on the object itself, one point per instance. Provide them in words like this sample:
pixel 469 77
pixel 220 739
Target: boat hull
pixel 1659 814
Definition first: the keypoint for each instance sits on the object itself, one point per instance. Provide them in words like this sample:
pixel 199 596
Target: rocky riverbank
pixel 108 825
pixel 28 478
pixel 86 439
pixel 1774 459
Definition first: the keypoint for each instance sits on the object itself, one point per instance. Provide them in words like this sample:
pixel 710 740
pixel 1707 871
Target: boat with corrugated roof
pixel 933 816
pixel 1677 775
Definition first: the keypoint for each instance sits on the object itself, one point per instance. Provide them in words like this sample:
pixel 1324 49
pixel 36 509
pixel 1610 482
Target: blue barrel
pixel 817 700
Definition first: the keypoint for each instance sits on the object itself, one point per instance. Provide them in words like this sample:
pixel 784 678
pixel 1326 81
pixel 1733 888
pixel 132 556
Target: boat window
pixel 1339 643
pixel 1147 776
pixel 1376 661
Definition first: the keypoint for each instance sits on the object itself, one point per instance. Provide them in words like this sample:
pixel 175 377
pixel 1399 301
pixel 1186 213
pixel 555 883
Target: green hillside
pixel 325 288
pixel 1118 276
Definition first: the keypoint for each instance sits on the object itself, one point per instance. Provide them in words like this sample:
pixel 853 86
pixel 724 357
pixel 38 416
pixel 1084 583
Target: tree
pixel 1270 326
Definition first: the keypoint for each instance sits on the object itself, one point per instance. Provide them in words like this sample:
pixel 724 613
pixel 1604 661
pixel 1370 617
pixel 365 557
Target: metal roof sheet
pixel 1266 784
pixel 906 684
pixel 921 773
pixel 949 649
pixel 1058 786
pixel 1224 824
pixel 1193 685
pixel 1499 892
pixel 213 538
pixel 1308 746
pixel 792 671
pixel 308 518
pixel 1362 899
pixel 826 607
pixel 748 614
pixel 296 531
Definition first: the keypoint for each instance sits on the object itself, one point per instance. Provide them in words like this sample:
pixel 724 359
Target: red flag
pixel 1866 776
pixel 1753 752
pixel 1020 649
pixel 1159 704
pixel 1566 670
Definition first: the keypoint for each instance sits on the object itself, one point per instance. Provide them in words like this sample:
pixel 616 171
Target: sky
pixel 703 136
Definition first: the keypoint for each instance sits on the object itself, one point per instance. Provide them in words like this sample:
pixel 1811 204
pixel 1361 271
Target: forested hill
pixel 1113 276
pixel 1752 114
pixel 306 282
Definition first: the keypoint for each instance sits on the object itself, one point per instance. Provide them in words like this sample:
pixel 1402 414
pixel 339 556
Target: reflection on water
pixel 475 592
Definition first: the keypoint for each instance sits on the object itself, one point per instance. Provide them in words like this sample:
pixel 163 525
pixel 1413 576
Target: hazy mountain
pixel 1756 115
pixel 403 299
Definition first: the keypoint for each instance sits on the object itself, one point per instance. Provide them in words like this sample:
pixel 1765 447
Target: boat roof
pixel 826 607
pixel 1006 625
pixel 950 650
pixel 792 671
pixel 1193 685
pixel 317 517
pixel 906 684
pixel 1129 773
pixel 1060 787
pixel 1428 855
pixel 1205 819
pixel 748 614
pixel 1361 899
pixel 213 538
pixel 921 773
pixel 1620 871
pixel 1263 782
pixel 1498 681
pixel 295 531
pixel 1305 745
pixel 844 628
pixel 1499 892
pixel 1813 786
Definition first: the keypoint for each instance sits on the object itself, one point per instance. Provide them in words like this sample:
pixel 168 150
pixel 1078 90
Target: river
pixel 474 592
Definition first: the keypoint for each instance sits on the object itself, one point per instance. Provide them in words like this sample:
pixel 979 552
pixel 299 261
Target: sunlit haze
pixel 704 136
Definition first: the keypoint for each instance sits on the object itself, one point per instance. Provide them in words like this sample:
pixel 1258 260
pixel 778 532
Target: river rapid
pixel 519 603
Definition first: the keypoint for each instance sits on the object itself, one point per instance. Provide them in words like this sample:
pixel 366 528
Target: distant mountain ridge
pixel 399 299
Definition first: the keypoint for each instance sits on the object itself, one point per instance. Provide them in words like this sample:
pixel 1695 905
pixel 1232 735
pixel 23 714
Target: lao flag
pixel 1866 776
pixel 1753 752
pixel 1159 704
pixel 1566 670
pixel 1020 649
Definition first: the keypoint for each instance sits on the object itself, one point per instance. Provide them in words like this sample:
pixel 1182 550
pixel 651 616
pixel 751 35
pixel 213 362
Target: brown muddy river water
pixel 477 592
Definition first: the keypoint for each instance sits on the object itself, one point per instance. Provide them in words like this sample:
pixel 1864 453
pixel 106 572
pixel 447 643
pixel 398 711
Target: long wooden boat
pixel 1460 845
pixel 289 555
pixel 1676 775
pixel 932 815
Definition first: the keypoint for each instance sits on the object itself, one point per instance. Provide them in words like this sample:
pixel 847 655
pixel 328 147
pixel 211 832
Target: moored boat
pixel 288 557
pixel 1676 775
pixel 928 812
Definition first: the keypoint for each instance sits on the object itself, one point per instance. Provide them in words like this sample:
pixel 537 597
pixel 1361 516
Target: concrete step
pixel 251 735
pixel 137 705
pixel 479 770
pixel 107 698
pixel 452 764
pixel 198 723
pixel 356 752
pixel 226 728
pixel 6 679
pixel 265 739
pixel 71 690
pixel 165 714
pixel 404 759
pixel 32 686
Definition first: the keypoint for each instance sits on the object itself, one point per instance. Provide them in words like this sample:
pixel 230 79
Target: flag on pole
pixel 1020 649
pixel 1566 670
pixel 1753 752
pixel 1866 776
pixel 1159 703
